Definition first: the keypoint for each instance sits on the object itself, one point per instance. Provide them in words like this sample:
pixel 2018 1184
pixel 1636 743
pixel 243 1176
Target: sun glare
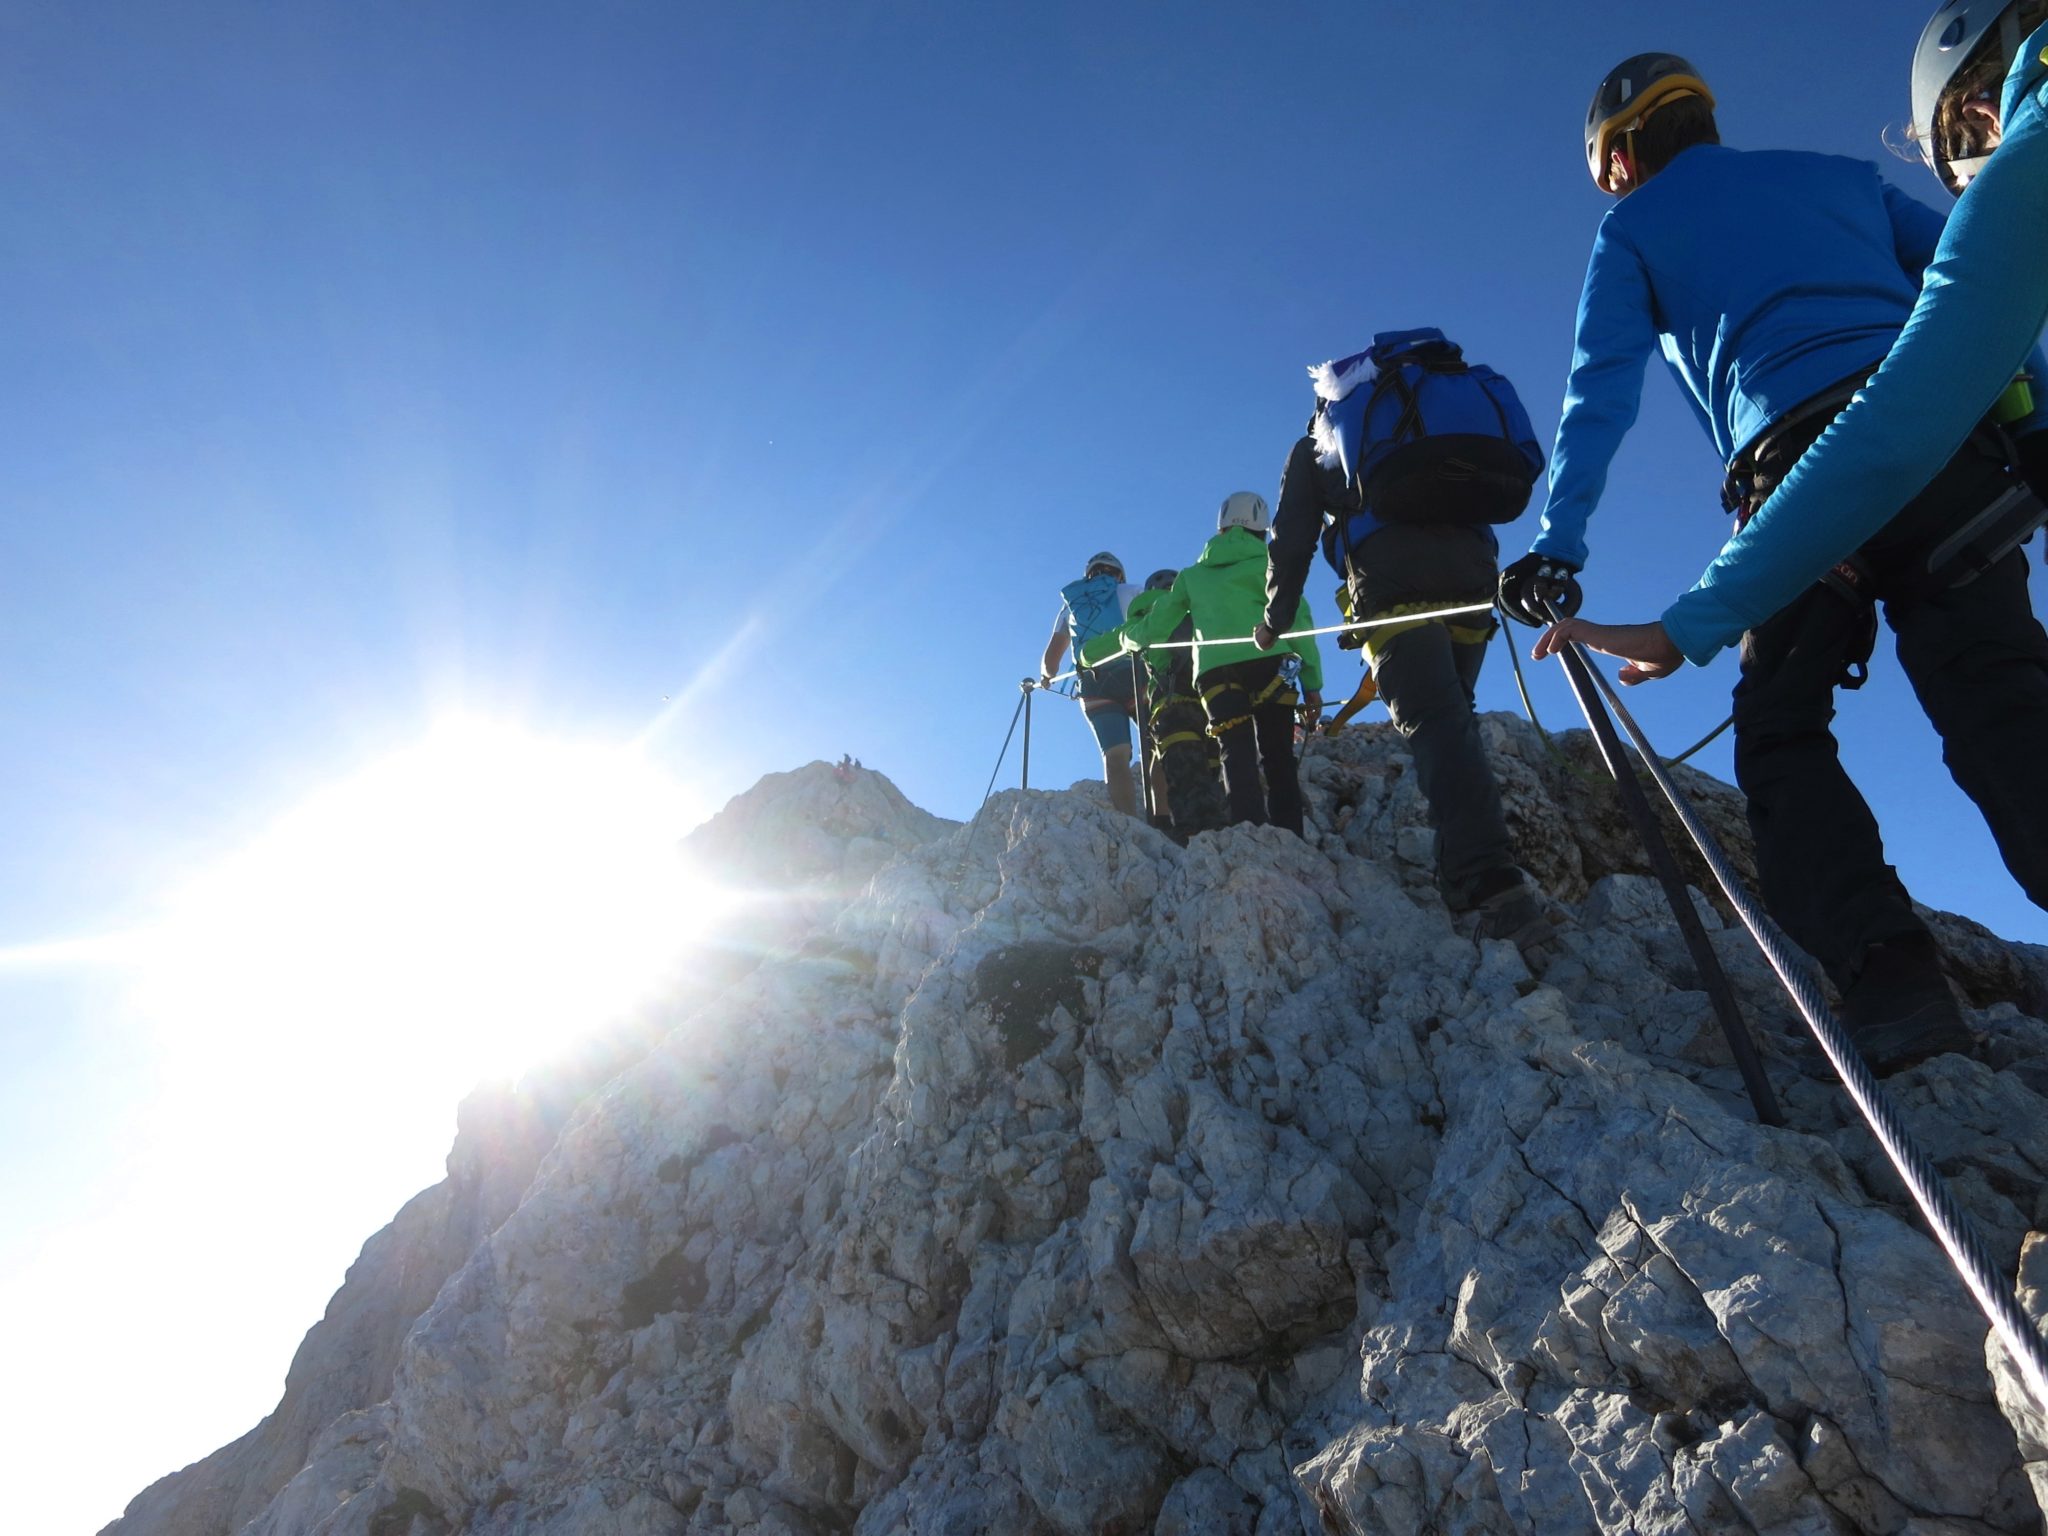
pixel 462 906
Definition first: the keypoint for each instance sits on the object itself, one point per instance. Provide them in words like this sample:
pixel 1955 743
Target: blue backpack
pixel 1430 438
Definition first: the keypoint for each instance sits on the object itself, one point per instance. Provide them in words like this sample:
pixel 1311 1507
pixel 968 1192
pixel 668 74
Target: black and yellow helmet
pixel 1634 89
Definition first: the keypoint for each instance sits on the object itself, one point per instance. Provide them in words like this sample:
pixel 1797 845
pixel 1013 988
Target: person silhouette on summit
pixel 1095 605
pixel 1776 283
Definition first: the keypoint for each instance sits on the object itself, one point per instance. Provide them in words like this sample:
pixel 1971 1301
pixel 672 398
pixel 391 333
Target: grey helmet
pixel 1632 90
pixel 1244 509
pixel 1954 34
pixel 1103 560
pixel 1161 580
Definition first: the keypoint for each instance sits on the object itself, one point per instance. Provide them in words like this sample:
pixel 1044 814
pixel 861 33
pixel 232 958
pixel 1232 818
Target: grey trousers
pixel 1426 681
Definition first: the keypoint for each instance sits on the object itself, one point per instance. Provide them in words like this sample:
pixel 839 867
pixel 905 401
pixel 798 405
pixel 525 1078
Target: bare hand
pixel 1644 648
pixel 1264 636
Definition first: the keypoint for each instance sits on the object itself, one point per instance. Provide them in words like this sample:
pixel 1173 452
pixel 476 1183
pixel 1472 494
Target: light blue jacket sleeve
pixel 1982 303
pixel 1613 341
pixel 1916 233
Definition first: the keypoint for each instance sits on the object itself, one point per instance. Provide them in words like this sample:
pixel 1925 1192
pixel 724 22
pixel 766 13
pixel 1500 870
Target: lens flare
pixel 461 906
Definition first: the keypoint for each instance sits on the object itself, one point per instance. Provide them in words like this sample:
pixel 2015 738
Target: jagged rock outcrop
pixel 1048 1177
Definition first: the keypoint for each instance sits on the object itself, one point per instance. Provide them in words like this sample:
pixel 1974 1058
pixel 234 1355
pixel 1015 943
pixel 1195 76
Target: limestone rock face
pixel 1051 1178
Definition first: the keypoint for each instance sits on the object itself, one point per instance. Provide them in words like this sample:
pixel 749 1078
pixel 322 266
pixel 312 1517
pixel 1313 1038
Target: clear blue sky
pixel 758 370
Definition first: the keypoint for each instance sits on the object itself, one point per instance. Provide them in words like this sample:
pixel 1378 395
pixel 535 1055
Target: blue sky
pixel 745 379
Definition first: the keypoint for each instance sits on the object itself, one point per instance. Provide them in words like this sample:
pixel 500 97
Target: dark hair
pixel 1677 125
pixel 1957 136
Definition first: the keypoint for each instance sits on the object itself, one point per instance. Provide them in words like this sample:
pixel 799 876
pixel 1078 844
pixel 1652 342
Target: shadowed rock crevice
pixel 1021 984
pixel 675 1284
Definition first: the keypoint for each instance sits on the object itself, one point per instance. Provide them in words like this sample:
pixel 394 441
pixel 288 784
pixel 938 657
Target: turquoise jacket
pixel 1225 593
pixel 1109 644
pixel 1093 606
pixel 1983 301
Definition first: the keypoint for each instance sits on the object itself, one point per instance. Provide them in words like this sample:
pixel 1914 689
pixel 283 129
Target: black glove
pixel 1535 580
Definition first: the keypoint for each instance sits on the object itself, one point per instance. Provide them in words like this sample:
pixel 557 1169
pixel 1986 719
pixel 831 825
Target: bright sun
pixel 462 906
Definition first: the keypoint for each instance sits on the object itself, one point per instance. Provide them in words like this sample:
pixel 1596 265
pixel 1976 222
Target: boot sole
pixel 1931 1030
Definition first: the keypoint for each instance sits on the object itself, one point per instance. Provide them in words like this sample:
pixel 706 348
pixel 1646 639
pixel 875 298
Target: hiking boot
pixel 1899 1010
pixel 1508 905
pixel 1488 887
pixel 1166 824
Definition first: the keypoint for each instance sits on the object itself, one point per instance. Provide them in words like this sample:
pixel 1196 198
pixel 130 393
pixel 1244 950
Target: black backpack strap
pixel 1411 409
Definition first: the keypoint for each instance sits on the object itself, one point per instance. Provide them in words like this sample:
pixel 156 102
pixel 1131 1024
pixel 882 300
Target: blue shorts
pixel 1106 699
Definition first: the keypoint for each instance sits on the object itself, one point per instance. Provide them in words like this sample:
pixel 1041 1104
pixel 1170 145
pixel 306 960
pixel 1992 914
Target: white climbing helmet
pixel 1954 40
pixel 1244 509
pixel 1102 560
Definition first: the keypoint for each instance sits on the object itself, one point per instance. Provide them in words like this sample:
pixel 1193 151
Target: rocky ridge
pixel 1041 1176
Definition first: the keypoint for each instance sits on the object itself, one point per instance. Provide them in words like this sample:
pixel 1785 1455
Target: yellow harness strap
pixel 1377 640
pixel 1276 689
pixel 1368 690
pixel 2016 404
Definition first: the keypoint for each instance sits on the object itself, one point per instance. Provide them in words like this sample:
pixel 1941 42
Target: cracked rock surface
pixel 1046 1177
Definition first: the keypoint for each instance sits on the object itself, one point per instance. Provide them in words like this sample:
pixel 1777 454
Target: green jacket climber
pixel 1225 593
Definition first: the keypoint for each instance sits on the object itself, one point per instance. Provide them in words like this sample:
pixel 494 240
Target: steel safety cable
pixel 1677 894
pixel 1302 634
pixel 1952 1226
pixel 1529 709
pixel 1023 700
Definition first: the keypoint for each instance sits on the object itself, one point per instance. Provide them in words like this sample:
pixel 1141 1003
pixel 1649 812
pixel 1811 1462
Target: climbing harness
pixel 1393 623
pixel 1951 1226
pixel 1368 690
pixel 1987 538
pixel 1971 549
pixel 1214 698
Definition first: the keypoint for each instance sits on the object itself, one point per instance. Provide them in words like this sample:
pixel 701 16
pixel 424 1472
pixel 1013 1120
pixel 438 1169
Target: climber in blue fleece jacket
pixel 1984 301
pixel 1981 307
pixel 1747 330
pixel 1772 336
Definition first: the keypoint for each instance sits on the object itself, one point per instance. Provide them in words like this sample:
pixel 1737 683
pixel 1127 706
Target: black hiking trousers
pixel 1251 714
pixel 1427 678
pixel 1190 764
pixel 1978 661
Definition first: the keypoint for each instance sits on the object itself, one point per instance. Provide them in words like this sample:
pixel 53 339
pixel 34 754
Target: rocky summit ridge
pixel 1040 1176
